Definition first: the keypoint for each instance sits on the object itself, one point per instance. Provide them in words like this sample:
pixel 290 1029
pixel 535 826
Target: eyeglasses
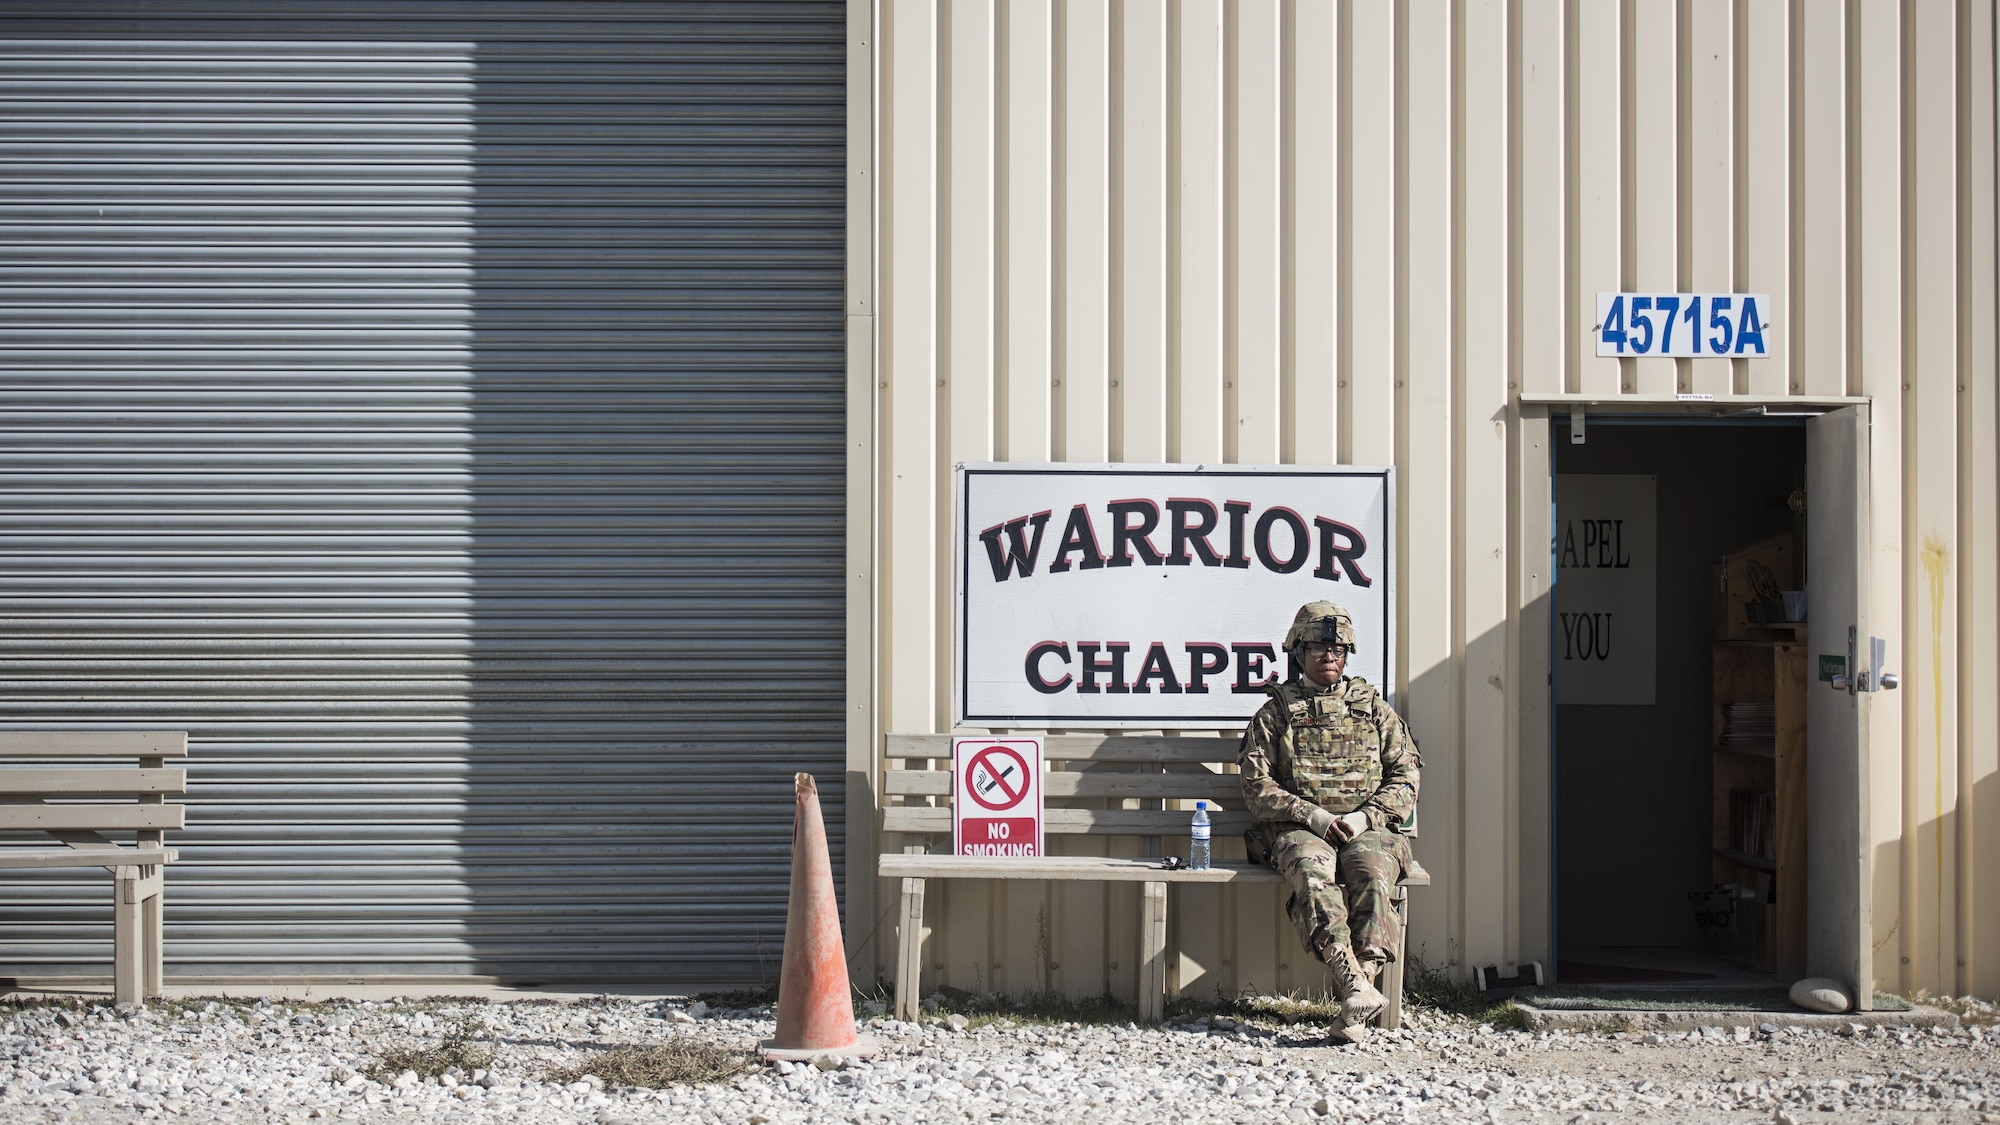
pixel 1322 648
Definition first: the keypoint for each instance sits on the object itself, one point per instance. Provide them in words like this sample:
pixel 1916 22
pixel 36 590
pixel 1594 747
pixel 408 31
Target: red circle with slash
pixel 984 760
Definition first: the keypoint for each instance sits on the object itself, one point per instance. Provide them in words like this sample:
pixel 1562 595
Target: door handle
pixel 1878 655
pixel 1869 678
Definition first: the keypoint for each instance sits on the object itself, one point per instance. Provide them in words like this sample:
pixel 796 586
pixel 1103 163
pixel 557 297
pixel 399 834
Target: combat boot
pixel 1359 1001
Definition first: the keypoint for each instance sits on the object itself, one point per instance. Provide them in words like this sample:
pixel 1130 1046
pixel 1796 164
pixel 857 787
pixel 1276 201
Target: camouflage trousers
pixel 1344 895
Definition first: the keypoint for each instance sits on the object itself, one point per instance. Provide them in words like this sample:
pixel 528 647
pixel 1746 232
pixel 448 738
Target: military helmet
pixel 1320 621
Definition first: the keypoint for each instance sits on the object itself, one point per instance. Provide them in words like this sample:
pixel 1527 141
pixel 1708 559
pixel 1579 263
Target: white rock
pixel 1822 994
pixel 698 1009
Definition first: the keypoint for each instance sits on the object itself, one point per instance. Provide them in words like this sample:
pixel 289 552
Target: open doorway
pixel 1667 770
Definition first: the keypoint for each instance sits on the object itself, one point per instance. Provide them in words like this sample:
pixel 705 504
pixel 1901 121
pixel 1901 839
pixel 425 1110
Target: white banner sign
pixel 1158 596
pixel 1607 588
pixel 1684 325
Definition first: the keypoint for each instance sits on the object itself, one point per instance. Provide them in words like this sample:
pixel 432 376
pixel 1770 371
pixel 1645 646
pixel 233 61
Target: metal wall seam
pixel 439 413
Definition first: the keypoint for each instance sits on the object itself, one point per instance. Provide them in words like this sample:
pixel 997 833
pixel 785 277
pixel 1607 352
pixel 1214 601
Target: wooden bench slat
pixel 1184 786
pixel 1093 868
pixel 57 782
pixel 1088 747
pixel 93 744
pixel 24 859
pixel 99 817
pixel 1128 822
pixel 1114 869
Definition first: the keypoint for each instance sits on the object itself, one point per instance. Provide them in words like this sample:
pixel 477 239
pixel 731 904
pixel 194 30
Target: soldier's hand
pixel 1340 831
pixel 1347 827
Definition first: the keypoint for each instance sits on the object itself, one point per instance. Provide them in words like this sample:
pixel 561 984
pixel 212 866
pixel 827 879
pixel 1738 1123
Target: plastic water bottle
pixel 1198 838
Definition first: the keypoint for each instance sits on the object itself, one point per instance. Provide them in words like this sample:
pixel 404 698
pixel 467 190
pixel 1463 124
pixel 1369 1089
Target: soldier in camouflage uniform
pixel 1330 773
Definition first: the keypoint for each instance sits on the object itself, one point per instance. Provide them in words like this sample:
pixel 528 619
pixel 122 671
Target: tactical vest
pixel 1330 751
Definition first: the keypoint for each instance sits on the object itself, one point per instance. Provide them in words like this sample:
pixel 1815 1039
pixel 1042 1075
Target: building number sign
pixel 1683 325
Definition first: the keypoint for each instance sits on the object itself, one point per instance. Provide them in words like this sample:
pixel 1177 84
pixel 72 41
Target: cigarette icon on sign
pixel 986 783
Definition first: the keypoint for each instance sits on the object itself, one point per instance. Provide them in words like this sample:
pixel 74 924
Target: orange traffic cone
pixel 815 1002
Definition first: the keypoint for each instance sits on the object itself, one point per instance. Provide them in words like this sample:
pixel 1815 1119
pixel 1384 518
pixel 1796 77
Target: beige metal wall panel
pixel 1083 233
pixel 1595 48
pixel 1707 158
pixel 1280 231
pixel 969 271
pixel 863 764
pixel 1026 214
pixel 1650 138
pixel 1976 905
pixel 1368 234
pixel 913 485
pixel 1311 241
pixel 1764 182
pixel 1426 687
pixel 1816 327
pixel 1195 270
pixel 1141 186
pixel 1930 507
pixel 1253 361
pixel 1875 123
pixel 1542 322
pixel 1531 703
pixel 1480 635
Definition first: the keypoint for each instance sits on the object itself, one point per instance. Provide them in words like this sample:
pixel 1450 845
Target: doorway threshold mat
pixel 1588 972
pixel 1603 998
pixel 1741 1011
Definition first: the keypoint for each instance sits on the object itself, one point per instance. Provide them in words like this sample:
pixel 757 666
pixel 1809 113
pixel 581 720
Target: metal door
pixel 1838 868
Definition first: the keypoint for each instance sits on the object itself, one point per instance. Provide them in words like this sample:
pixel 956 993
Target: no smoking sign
pixel 996 806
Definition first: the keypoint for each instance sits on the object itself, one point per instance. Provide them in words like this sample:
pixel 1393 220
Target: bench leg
pixel 1153 953
pixel 909 949
pixel 1392 973
pixel 152 918
pixel 127 960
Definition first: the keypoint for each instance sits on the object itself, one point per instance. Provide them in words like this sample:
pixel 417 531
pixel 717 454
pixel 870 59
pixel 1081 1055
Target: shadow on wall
pixel 657 491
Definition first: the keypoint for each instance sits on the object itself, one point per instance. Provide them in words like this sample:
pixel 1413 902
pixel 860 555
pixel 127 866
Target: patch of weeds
pixel 459 1045
pixel 739 997
pixel 1970 1010
pixel 679 1061
pixel 1037 1008
pixel 1429 986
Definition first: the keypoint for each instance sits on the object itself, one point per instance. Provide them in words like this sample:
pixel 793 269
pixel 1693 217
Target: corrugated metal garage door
pixel 436 409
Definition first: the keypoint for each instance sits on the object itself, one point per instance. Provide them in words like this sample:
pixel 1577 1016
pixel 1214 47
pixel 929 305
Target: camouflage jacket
pixel 1312 753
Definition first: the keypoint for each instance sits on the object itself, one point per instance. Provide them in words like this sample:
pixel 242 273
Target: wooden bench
pixel 43 777
pixel 1163 776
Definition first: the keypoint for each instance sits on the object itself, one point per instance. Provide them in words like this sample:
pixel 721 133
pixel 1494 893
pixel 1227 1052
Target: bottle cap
pixel 1201 804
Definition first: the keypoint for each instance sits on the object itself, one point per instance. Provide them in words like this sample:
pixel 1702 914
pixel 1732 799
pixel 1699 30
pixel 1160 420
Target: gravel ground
pixel 215 1061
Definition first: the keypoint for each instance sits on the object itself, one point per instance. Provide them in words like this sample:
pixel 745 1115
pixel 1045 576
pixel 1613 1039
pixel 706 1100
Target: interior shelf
pixel 1758 814
pixel 1745 859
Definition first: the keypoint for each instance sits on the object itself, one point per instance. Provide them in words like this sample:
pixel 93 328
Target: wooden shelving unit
pixel 1758 737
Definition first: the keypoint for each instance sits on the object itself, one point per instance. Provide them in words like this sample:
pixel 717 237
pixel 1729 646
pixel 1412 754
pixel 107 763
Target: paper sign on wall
pixel 1606 565
pixel 996 796
pixel 1159 595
